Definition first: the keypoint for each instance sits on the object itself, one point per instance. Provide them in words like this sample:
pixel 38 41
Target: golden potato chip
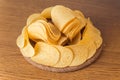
pixel 46 13
pixel 90 29
pixel 37 31
pixel 81 18
pixel 53 32
pixel 46 54
pixel 72 29
pixel 93 34
pixel 20 41
pixel 32 18
pixel 80 54
pixel 66 57
pixel 69 27
pixel 73 33
pixel 61 16
pixel 90 45
pixel 91 49
pixel 96 39
pixel 27 50
pixel 79 13
pixel 98 42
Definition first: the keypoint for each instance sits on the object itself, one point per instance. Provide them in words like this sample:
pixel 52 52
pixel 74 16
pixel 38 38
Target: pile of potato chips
pixel 62 37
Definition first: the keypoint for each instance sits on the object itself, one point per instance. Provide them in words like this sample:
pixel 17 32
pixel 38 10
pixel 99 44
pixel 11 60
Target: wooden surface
pixel 105 14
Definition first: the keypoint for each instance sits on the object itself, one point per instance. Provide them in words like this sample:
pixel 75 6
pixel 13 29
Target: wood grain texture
pixel 105 15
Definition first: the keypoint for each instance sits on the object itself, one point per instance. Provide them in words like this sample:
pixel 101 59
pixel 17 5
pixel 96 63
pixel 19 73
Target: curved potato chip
pixel 90 29
pixel 69 27
pixel 46 13
pixel 37 31
pixel 73 33
pixel 73 28
pixel 61 16
pixel 93 34
pixel 66 57
pixel 52 31
pixel 80 54
pixel 20 41
pixel 46 54
pixel 91 49
pixel 90 46
pixel 27 50
pixel 79 13
pixel 91 38
pixel 32 18
pixel 98 42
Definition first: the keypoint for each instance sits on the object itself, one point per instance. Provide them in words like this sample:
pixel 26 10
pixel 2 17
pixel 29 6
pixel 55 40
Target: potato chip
pixel 46 54
pixel 72 29
pixel 93 34
pixel 53 32
pixel 37 31
pixel 90 46
pixel 32 18
pixel 91 29
pixel 46 13
pixel 20 41
pixel 98 42
pixel 80 54
pixel 73 33
pixel 91 49
pixel 66 56
pixel 79 13
pixel 61 16
pixel 27 50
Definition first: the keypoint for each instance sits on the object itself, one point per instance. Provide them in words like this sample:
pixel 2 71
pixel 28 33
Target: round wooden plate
pixel 69 68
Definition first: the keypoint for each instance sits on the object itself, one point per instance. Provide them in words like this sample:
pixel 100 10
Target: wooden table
pixel 105 14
